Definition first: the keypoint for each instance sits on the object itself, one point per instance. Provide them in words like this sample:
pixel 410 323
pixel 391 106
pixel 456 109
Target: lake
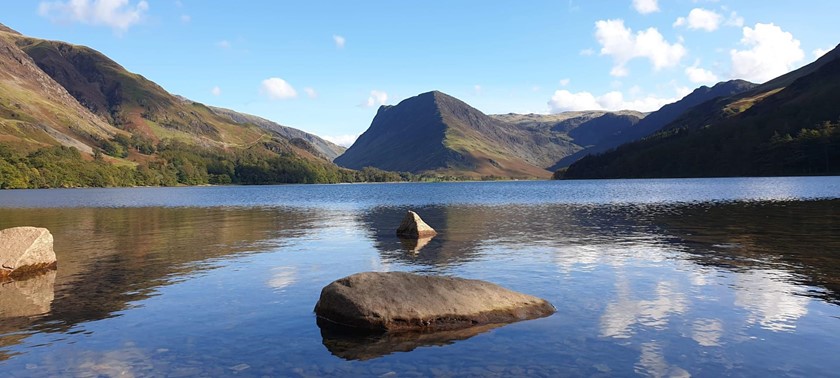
pixel 686 277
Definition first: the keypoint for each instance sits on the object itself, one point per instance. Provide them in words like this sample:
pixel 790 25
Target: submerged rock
pixel 412 226
pixel 25 250
pixel 399 301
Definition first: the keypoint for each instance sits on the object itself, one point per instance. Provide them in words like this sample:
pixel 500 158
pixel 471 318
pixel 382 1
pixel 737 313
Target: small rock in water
pixel 412 226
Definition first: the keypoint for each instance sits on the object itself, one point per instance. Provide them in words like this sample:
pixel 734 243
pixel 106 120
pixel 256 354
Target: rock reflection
pixel 361 346
pixel 21 304
pixel 29 297
pixel 414 245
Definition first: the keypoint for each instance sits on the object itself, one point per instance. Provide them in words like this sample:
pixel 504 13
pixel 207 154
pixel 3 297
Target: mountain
pixel 787 126
pixel 655 121
pixel 435 132
pixel 37 111
pixel 135 104
pixel 325 148
pixel 56 95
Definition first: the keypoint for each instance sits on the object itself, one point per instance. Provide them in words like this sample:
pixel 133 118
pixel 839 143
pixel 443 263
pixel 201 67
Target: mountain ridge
pixel 790 129
pixel 70 116
pixel 660 118
pixel 130 102
pixel 434 132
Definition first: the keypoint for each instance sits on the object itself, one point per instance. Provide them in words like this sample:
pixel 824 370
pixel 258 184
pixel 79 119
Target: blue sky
pixel 326 66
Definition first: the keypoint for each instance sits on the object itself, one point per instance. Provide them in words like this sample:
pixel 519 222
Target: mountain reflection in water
pixel 653 289
pixel 109 258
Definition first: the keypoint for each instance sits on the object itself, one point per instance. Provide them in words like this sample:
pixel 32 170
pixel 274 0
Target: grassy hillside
pixel 311 143
pixel 37 112
pixel 131 102
pixel 70 117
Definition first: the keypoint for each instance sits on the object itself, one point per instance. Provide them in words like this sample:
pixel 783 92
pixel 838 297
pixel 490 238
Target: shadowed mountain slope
pixel 787 126
pixel 655 121
pixel 437 133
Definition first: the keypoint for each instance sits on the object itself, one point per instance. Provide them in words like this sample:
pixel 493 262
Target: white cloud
pixel 216 91
pixel 342 140
pixel 339 41
pixel 619 42
pixel 310 92
pixel 735 20
pixel 699 75
pixel 277 89
pixel 700 19
pixel 477 89
pixel 116 14
pixel 646 6
pixel 564 82
pixel 376 98
pixel 225 44
pixel 771 52
pixel 587 52
pixel 818 53
pixel 185 18
pixel 563 101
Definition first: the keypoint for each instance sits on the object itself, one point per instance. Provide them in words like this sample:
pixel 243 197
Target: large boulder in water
pixel 412 226
pixel 398 301
pixel 24 250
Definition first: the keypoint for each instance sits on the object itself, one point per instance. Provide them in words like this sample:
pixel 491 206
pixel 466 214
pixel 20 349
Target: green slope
pixel 70 117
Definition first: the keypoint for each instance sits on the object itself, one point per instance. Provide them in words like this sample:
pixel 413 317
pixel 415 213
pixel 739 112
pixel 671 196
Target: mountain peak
pixel 435 95
pixel 435 132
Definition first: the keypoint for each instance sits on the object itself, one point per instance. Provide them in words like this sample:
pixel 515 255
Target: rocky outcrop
pixel 412 226
pixel 25 250
pixel 399 301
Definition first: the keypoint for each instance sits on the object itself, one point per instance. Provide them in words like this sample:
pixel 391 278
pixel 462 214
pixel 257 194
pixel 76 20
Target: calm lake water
pixel 699 277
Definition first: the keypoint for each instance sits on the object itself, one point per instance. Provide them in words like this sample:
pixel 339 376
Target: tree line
pixel 172 163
